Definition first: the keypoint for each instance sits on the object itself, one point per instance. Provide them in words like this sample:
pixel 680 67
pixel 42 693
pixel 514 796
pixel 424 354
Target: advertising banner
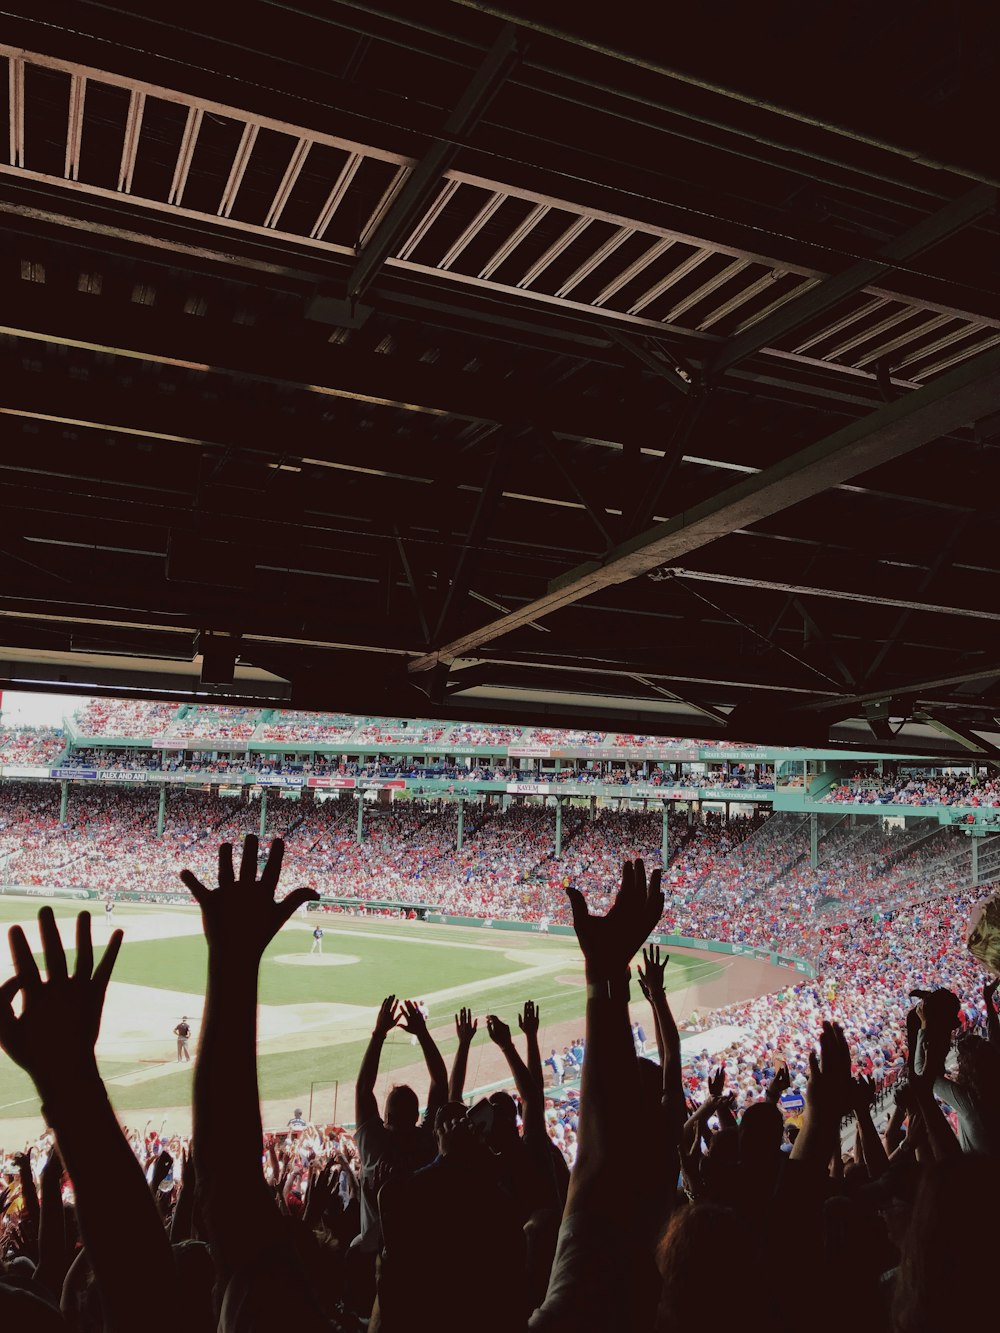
pixel 125 775
pixel 74 774
pixel 330 782
pixel 528 788
pixel 529 751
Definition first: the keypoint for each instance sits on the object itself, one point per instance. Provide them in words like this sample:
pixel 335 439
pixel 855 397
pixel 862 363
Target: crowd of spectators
pixel 135 719
pixel 31 745
pixel 748 880
pixel 125 718
pixel 918 788
pixel 620 1208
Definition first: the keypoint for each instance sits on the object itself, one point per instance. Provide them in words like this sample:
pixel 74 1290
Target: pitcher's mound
pixel 316 959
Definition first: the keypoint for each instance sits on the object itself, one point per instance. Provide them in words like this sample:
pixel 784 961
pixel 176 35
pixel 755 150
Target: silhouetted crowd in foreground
pixel 677 1212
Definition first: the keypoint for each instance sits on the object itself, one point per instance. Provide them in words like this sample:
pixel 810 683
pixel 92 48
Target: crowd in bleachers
pixel 31 745
pixel 906 788
pixel 127 718
pixel 621 1207
pixel 135 719
pixel 749 880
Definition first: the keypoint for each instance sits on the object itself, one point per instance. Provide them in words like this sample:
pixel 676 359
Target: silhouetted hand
pixel 651 975
pixel 781 1082
pixel 829 1090
pixel 465 1025
pixel 498 1030
pixel 863 1094
pixel 716 1082
pixel 412 1020
pixel 54 1036
pixel 388 1017
pixel 609 943
pixel 990 989
pixel 527 1020
pixel 241 917
pixel 161 1169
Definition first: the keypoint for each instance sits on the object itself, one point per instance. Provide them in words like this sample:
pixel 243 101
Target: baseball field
pixel 316 1010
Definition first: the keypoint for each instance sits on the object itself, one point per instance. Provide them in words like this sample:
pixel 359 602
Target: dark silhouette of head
pixel 688 1258
pixel 402 1109
pixel 503 1132
pixel 761 1131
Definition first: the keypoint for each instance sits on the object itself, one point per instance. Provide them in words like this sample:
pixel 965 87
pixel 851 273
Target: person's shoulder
pixel 370 1132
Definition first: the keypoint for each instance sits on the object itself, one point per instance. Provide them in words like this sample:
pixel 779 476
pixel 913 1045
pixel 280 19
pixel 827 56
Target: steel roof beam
pixel 425 178
pixel 967 393
pixel 829 293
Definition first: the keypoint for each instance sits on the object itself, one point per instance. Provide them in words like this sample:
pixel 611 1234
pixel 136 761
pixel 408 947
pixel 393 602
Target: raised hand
pixel 161 1170
pixel 241 917
pixel 498 1030
pixel 830 1090
pixel 412 1020
pixel 863 1094
pixel 54 1036
pixel 781 1082
pixel 388 1017
pixel 651 974
pixel 466 1026
pixel 990 989
pixel 716 1083
pixel 527 1020
pixel 609 943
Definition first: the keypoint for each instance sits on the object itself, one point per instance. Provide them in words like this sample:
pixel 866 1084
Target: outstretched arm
pixel 778 1085
pixel 365 1105
pixel 609 1084
pixel 668 1039
pixel 828 1098
pixel 529 1089
pixel 873 1149
pixel 53 1039
pixel 466 1027
pixel 415 1024
pixel 528 1021
pixel 893 1135
pixel 240 918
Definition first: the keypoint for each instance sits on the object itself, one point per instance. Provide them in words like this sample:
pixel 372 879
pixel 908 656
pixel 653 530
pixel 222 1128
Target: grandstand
pixel 791 879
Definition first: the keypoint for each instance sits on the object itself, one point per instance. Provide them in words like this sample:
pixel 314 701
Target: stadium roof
pixel 507 360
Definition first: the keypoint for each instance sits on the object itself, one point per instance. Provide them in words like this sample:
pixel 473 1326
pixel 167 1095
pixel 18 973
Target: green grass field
pixel 316 1017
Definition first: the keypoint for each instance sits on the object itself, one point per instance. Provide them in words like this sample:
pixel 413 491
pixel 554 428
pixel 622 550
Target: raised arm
pixel 778 1085
pixel 53 1252
pixel 529 1089
pixel 53 1040
pixel 240 918
pixel 828 1098
pixel 609 1084
pixel 415 1024
pixel 893 1135
pixel 528 1021
pixel 365 1105
pixel 466 1027
pixel 873 1149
